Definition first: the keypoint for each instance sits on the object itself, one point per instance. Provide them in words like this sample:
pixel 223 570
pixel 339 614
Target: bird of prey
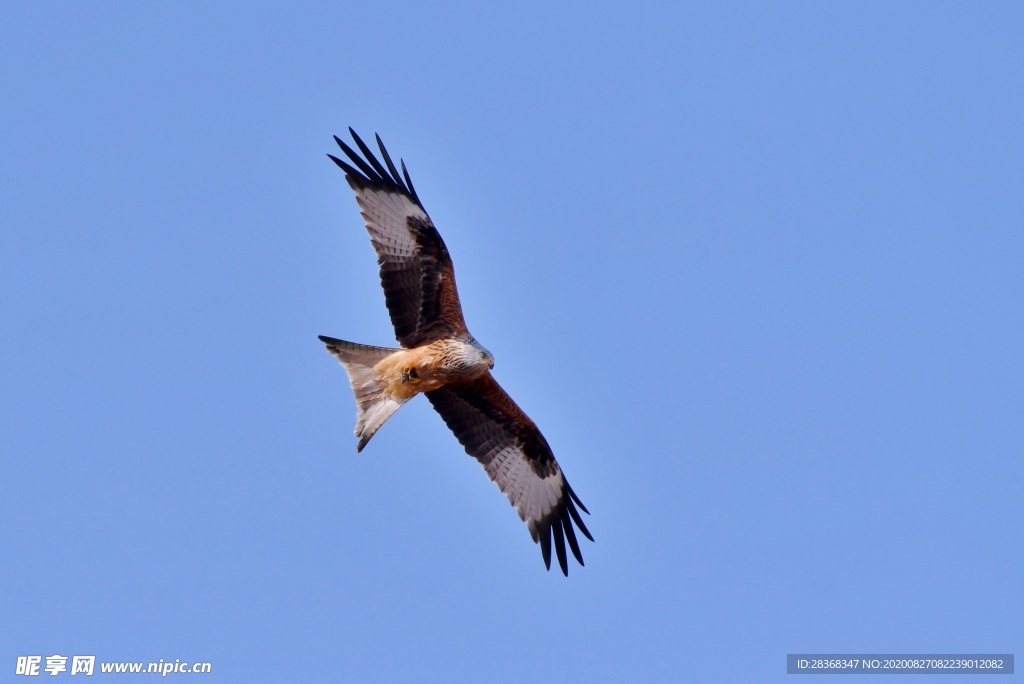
pixel 439 357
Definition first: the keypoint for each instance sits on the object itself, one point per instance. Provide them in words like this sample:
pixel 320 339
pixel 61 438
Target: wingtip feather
pixel 368 173
pixel 370 169
pixel 575 498
pixel 545 545
pixel 578 520
pixel 370 157
pixel 408 181
pixel 350 172
pixel 570 536
pixel 391 165
pixel 559 535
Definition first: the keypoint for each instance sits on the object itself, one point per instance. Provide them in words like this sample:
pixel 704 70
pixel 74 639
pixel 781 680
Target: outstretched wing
pixel 518 459
pixel 415 269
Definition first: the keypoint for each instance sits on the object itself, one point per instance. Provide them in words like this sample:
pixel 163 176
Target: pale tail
pixel 374 407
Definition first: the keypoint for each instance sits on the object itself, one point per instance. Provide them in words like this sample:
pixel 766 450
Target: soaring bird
pixel 439 357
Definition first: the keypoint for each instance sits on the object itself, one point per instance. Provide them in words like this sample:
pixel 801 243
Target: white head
pixel 483 356
pixel 470 358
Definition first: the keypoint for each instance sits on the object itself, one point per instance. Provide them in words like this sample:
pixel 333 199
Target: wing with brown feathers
pixel 415 269
pixel 497 433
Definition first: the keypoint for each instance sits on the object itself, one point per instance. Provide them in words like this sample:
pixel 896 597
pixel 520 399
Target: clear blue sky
pixel 755 269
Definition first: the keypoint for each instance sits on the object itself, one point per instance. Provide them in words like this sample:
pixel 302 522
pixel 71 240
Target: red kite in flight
pixel 441 359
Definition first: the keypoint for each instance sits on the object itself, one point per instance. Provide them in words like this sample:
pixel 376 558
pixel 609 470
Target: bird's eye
pixel 482 355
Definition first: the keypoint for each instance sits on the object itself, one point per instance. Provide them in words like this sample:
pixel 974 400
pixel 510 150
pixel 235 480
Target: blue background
pixel 755 269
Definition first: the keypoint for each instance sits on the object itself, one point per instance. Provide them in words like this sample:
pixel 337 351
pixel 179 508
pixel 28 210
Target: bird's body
pixel 439 358
pixel 407 372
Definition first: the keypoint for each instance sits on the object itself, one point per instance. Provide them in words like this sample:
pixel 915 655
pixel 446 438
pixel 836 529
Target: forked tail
pixel 374 406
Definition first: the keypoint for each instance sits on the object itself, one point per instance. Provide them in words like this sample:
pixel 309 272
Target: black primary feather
pixel 371 171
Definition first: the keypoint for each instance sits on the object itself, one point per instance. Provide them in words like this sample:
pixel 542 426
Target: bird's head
pixel 480 355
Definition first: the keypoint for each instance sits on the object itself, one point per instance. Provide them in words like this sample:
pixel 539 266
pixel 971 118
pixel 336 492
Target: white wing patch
pixel 386 215
pixel 533 497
